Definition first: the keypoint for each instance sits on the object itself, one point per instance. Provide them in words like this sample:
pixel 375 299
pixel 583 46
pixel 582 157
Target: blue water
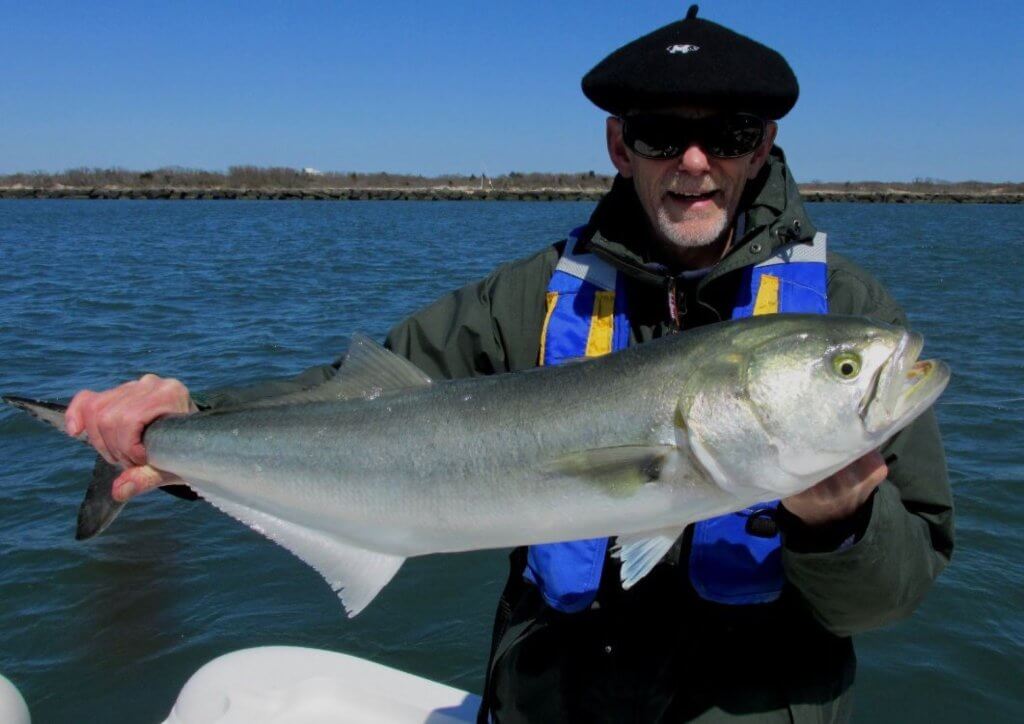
pixel 93 293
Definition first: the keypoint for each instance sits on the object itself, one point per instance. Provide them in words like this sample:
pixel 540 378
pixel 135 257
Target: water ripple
pixel 94 293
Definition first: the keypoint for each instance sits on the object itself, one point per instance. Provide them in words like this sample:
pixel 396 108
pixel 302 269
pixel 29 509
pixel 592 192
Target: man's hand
pixel 114 421
pixel 841 494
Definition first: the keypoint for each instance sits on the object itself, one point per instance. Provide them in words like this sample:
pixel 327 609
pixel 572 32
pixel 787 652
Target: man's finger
pixel 116 420
pixel 73 415
pixel 129 440
pixel 871 469
pixel 137 453
pixel 134 481
pixel 92 431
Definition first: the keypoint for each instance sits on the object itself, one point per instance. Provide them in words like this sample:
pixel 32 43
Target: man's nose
pixel 694 160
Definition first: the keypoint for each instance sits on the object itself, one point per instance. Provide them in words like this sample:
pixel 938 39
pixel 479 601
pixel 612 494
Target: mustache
pixel 691 186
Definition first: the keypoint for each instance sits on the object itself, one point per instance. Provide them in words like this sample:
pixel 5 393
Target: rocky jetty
pixel 909 197
pixel 811 194
pixel 324 194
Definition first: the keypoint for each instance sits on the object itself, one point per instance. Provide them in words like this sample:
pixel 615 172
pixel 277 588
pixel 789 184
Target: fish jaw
pixel 905 388
pixel 792 418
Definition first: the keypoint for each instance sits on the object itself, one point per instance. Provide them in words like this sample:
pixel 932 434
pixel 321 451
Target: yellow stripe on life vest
pixel 599 340
pixel 767 301
pixel 552 301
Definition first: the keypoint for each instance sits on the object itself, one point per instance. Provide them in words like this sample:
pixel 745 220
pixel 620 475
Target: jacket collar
pixel 774 215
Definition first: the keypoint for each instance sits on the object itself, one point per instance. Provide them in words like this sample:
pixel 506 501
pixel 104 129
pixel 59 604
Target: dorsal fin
pixel 368 372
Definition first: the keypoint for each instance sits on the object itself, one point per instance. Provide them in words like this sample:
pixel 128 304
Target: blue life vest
pixel 732 559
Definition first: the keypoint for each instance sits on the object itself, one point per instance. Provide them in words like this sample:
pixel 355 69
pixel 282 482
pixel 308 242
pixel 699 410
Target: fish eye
pixel 846 365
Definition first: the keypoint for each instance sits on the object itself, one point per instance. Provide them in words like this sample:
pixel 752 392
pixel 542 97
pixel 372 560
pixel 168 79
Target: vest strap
pixel 731 561
pixel 585 317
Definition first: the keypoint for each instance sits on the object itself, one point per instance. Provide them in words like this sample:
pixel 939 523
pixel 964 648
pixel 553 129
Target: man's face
pixel 690 200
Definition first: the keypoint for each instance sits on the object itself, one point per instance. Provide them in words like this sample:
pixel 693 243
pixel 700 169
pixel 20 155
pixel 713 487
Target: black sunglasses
pixel 664 136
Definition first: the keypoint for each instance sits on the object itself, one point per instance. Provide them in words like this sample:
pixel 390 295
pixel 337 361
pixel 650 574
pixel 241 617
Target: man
pixel 749 616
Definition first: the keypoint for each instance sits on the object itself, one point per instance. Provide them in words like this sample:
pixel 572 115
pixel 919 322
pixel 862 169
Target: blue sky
pixel 889 91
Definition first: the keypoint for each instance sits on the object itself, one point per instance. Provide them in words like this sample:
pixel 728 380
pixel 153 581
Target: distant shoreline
pixel 291 184
pixel 810 193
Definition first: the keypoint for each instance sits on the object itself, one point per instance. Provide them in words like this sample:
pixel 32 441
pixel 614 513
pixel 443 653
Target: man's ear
pixel 617 150
pixel 761 154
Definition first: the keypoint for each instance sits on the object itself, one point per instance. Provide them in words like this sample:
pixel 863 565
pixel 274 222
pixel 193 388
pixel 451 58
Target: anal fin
pixel 641 552
pixel 356 574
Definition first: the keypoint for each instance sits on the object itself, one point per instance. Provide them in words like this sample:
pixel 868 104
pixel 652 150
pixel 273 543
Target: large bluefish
pixel 380 463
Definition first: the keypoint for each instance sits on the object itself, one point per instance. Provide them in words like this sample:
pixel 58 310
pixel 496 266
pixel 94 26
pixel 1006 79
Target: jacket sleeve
pixel 908 536
pixel 242 394
pixel 485 328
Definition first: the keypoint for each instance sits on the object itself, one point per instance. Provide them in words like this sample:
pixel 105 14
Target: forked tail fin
pixel 49 412
pixel 99 508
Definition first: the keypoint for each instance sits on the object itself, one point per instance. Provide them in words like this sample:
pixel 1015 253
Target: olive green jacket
pixel 903 535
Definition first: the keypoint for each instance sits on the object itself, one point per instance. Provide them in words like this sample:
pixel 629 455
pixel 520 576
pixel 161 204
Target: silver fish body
pixel 456 465
pixel 382 464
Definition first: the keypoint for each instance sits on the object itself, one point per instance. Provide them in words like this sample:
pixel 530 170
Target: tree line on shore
pixel 257 177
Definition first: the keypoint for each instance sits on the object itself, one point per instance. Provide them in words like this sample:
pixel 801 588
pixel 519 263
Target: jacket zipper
pixel 676 304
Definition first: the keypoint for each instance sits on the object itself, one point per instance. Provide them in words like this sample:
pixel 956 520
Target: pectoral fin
pixel 356 574
pixel 639 553
pixel 622 470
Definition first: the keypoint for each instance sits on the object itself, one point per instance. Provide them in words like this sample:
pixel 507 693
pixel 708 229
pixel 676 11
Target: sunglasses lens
pixel 652 137
pixel 661 137
pixel 734 136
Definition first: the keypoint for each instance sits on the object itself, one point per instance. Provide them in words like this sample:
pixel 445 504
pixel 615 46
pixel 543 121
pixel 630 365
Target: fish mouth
pixel 903 386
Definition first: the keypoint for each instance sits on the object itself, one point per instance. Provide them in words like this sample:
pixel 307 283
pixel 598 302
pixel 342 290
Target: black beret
pixel 693 62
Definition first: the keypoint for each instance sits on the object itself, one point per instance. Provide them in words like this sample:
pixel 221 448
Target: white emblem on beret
pixel 683 49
